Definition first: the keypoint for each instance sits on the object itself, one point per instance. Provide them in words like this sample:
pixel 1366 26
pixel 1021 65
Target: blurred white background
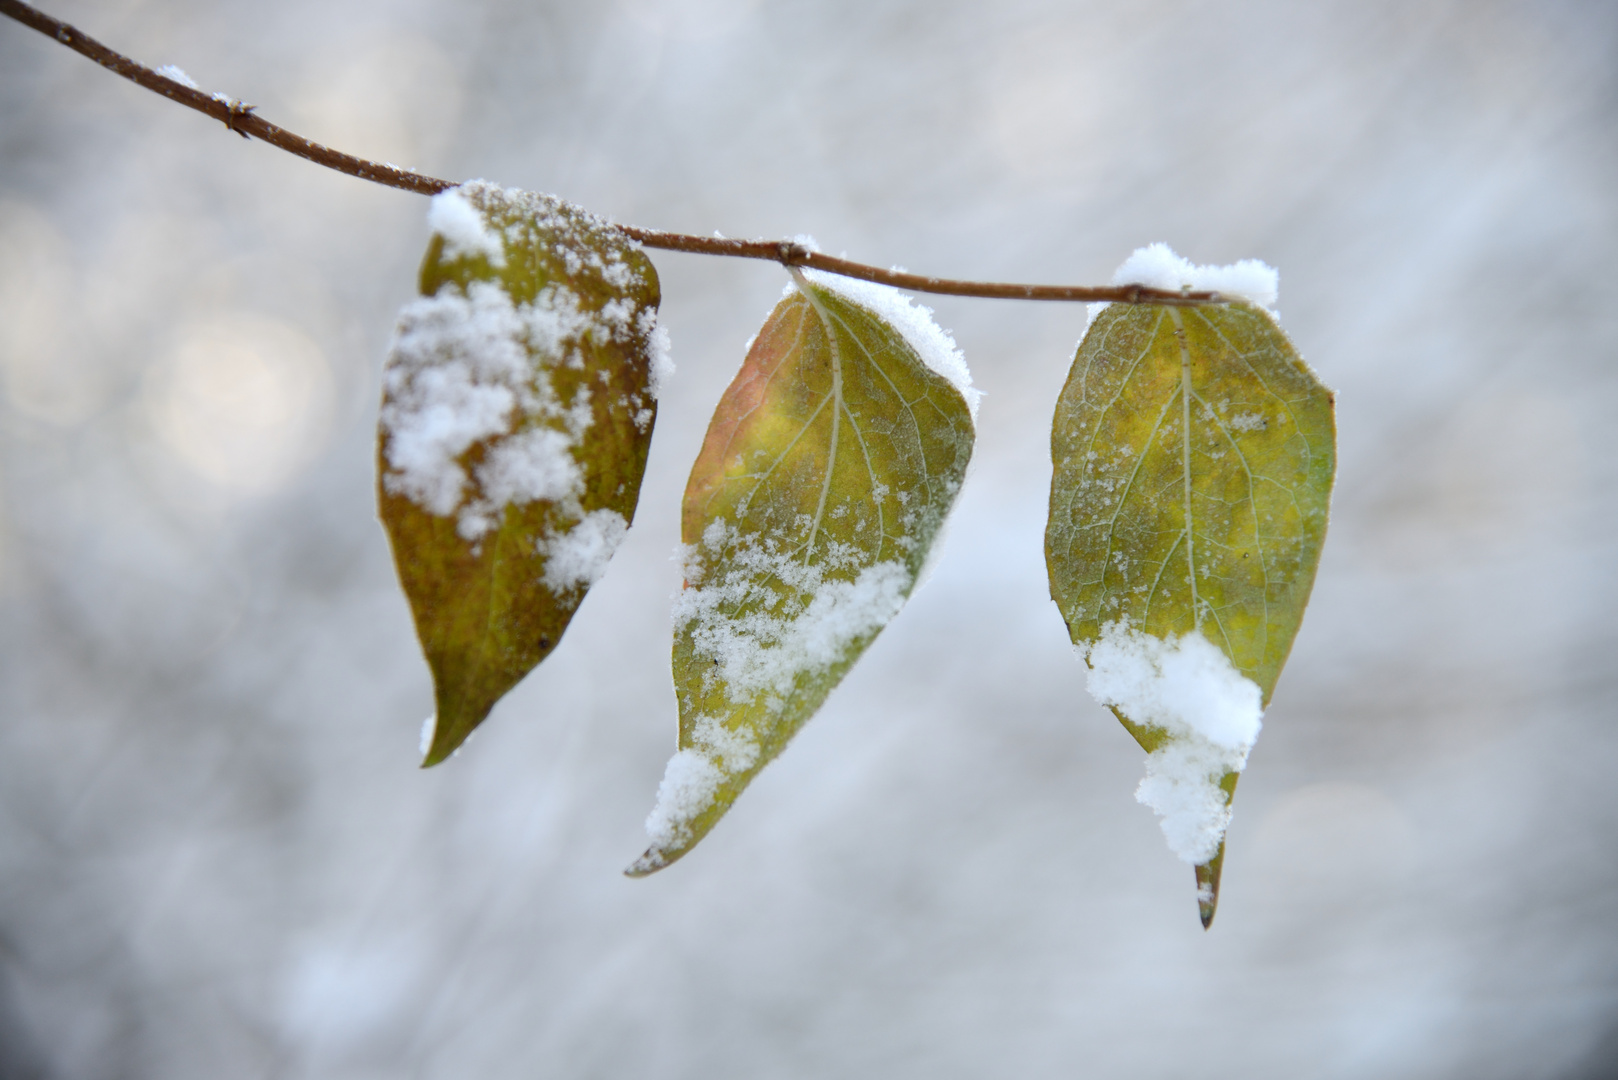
pixel 217 858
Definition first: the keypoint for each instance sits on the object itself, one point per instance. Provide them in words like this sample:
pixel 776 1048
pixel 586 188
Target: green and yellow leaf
pixel 829 466
pixel 518 404
pixel 1193 455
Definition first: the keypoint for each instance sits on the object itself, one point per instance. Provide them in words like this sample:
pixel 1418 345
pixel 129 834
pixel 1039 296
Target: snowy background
pixel 217 857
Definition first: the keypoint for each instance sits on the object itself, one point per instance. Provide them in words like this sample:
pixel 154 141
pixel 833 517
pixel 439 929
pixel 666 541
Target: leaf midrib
pixel 1185 463
pixel 836 412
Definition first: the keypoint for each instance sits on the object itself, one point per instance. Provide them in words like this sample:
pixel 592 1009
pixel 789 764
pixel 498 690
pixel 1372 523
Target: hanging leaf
pixel 518 402
pixel 1194 453
pixel 827 470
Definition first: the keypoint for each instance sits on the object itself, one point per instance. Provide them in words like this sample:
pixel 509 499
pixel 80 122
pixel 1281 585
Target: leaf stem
pixel 243 120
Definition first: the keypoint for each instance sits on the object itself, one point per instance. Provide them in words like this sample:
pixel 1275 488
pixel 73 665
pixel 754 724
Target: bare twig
pixel 243 120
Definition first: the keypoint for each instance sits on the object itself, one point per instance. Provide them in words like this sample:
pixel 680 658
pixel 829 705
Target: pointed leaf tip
pixel 649 863
pixel 518 404
pixel 1208 887
pixel 1193 455
pixel 828 468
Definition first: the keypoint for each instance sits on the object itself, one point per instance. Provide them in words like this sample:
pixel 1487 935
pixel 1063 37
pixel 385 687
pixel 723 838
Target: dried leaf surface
pixel 827 470
pixel 1193 455
pixel 517 411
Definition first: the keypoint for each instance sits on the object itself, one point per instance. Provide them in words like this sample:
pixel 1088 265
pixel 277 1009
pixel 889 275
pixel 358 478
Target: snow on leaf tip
pixel 518 404
pixel 827 470
pixel 1193 456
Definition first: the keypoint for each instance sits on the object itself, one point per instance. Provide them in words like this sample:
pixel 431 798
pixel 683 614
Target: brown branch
pixel 245 122
pixel 233 114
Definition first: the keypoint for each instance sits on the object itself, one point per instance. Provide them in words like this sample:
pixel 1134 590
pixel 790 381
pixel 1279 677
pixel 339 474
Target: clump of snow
pixel 529 466
pixel 807 626
pixel 463 229
pixel 173 74
pixel 1157 266
pixel 470 367
pixel 460 373
pixel 692 779
pixel 579 556
pixel 762 618
pixel 429 727
pixel 661 349
pixel 914 323
pixel 1212 713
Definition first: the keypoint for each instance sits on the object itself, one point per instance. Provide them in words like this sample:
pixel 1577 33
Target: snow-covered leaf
pixel 518 403
pixel 1193 458
pixel 827 470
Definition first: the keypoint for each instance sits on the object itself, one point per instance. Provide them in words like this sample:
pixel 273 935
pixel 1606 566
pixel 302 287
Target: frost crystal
pixel 1211 713
pixel 931 341
pixel 1157 266
pixel 174 74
